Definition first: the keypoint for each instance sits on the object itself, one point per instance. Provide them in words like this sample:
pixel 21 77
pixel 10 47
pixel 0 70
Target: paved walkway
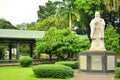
pixel 93 76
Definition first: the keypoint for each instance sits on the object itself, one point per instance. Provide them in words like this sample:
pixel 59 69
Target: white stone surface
pixel 97 33
pixel 83 62
pixel 96 62
pixel 111 62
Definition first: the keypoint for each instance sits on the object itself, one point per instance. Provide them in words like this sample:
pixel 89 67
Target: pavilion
pixel 12 37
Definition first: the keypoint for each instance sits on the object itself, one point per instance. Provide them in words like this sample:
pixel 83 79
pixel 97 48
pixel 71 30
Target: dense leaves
pixel 53 71
pixel 67 7
pixel 52 21
pixel 89 6
pixel 111 39
pixel 4 24
pixel 25 61
pixel 72 64
pixel 61 41
pixel 47 10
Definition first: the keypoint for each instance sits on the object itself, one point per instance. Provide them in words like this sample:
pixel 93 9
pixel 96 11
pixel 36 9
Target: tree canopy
pixel 61 41
pixel 4 24
pixel 112 39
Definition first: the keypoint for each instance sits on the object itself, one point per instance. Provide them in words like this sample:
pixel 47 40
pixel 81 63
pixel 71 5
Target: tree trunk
pixel 50 55
pixel 39 57
pixel 70 21
pixel 70 56
pixel 58 56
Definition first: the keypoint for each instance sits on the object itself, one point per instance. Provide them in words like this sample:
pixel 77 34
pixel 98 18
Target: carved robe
pixel 97 34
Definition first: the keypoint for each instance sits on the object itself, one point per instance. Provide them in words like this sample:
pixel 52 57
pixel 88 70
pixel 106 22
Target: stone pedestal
pixel 97 61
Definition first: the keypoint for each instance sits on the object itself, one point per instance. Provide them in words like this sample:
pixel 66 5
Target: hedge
pixel 53 71
pixel 118 63
pixel 72 64
pixel 25 61
pixel 117 72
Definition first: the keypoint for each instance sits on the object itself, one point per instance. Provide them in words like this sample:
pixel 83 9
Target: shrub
pixel 117 72
pixel 52 70
pixel 25 61
pixel 118 63
pixel 72 64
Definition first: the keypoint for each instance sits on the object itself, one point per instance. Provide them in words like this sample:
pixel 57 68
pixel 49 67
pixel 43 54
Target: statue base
pixel 97 61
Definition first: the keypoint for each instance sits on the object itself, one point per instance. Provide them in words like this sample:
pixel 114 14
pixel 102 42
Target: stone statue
pixel 97 33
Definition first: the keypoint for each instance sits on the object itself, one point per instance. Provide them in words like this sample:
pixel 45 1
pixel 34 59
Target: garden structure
pixel 10 38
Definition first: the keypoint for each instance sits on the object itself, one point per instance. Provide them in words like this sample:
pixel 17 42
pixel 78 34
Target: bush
pixel 72 64
pixel 118 63
pixel 117 72
pixel 25 61
pixel 52 70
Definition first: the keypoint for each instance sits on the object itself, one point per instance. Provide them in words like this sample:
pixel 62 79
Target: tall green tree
pixel 47 10
pixel 67 7
pixel 4 24
pixel 52 21
pixel 60 42
pixel 32 26
pixel 89 6
pixel 112 39
pixel 112 5
pixel 22 26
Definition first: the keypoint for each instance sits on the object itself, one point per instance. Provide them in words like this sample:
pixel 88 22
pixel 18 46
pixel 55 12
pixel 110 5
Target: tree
pixel 4 24
pixel 2 52
pixel 60 42
pixel 51 21
pixel 112 13
pixel 32 26
pixel 89 6
pixel 67 7
pixel 22 26
pixel 111 39
pixel 112 5
pixel 47 10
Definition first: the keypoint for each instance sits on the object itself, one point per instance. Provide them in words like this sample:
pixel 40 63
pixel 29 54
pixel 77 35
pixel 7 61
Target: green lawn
pixel 117 79
pixel 20 73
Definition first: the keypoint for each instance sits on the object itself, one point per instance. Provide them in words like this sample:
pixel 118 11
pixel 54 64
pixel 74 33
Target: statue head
pixel 97 14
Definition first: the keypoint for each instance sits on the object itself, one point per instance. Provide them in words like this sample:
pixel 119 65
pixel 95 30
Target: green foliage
pixel 32 26
pixel 111 39
pixel 19 73
pixel 4 24
pixel 22 26
pixel 47 10
pixel 118 63
pixel 61 41
pixel 89 6
pixel 54 71
pixel 2 52
pixel 52 21
pixel 72 64
pixel 25 61
pixel 117 72
pixel 67 7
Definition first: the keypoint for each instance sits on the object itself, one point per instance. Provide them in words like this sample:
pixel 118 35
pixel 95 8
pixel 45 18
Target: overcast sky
pixel 19 11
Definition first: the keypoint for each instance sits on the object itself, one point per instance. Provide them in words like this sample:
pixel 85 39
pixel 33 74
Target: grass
pixel 117 79
pixel 20 73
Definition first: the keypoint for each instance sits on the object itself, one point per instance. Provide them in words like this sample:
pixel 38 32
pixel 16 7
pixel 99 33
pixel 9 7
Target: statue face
pixel 97 15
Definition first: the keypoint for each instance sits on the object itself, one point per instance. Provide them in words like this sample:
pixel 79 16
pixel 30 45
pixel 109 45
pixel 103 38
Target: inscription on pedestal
pixel 96 62
pixel 110 62
pixel 83 62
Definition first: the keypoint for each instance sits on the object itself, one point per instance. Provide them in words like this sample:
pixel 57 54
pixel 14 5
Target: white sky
pixel 19 11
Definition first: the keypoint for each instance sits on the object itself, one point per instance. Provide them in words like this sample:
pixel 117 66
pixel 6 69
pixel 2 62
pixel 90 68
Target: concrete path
pixel 93 76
